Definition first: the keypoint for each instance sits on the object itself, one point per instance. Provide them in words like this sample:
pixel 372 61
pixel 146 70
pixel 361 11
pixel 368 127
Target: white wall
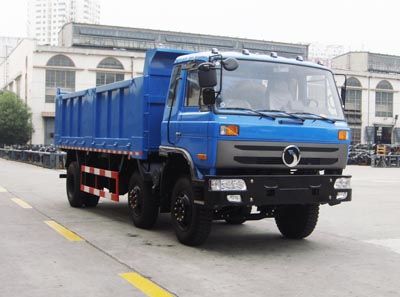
pixel 355 61
pixel 85 60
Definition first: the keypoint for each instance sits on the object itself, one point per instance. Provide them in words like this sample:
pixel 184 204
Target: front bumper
pixel 269 190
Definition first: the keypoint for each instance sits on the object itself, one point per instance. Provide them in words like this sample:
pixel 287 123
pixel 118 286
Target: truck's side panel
pixel 119 118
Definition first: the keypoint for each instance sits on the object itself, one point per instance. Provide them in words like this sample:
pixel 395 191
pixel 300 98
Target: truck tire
pixel 142 204
pixel 297 221
pixel 191 222
pixel 76 197
pixel 90 200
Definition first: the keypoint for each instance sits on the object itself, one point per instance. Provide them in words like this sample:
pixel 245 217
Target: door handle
pixel 178 134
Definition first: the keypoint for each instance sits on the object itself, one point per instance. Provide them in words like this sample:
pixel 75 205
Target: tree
pixel 15 120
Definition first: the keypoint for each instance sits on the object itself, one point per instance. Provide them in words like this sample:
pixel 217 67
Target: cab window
pixel 192 89
pixel 174 84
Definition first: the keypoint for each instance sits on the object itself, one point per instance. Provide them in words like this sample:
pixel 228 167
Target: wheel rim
pixel 181 211
pixel 135 200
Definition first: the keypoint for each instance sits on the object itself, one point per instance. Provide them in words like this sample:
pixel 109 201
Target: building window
pixel 384 100
pixel 59 76
pixel 356 135
pixel 352 105
pixel 353 95
pixel 352 108
pixel 105 76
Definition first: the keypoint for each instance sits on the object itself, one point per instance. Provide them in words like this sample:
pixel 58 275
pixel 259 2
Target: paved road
pixel 355 250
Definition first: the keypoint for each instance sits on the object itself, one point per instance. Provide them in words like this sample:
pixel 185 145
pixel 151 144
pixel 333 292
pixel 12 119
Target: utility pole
pixel 5 62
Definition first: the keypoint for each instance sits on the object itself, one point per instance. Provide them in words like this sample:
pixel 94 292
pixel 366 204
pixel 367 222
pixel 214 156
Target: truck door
pixel 175 94
pixel 193 117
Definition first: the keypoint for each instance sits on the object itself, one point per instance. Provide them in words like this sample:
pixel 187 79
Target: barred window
pixel 60 60
pixel 110 63
pixel 107 77
pixel 353 94
pixel 103 78
pixel 355 135
pixel 59 76
pixel 384 99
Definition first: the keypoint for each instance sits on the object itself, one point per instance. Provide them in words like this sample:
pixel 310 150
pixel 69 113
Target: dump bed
pixel 123 117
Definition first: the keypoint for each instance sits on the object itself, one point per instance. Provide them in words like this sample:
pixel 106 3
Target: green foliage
pixel 15 120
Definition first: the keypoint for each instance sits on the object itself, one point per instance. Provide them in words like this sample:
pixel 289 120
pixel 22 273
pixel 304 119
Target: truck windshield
pixel 272 87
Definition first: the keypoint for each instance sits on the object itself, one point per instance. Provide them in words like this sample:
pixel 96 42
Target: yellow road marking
pixel 63 231
pixel 145 285
pixel 21 203
pixel 2 190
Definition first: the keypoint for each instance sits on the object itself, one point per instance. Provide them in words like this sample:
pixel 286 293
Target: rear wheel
pixel 76 197
pixel 142 205
pixel 297 221
pixel 191 222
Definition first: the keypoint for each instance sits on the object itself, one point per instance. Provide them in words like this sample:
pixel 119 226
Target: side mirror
pixel 208 96
pixel 343 94
pixel 230 64
pixel 207 75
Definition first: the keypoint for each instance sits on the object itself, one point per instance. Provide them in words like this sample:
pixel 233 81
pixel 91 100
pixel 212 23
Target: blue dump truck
pixel 209 136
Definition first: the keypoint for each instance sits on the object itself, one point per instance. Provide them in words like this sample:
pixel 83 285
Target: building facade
pixel 7 44
pixel 92 55
pixel 36 71
pixel 137 39
pixel 372 103
pixel 46 17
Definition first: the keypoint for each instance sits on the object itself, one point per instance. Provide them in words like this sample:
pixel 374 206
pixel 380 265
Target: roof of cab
pixel 204 56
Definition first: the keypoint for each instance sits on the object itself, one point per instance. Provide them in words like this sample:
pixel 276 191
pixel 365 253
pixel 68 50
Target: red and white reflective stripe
pixel 101 172
pixel 89 149
pixel 100 193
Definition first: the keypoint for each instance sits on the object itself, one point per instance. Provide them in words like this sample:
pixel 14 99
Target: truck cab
pixel 272 136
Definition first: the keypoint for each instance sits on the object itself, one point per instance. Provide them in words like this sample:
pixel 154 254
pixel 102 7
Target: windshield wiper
pixel 319 117
pixel 263 115
pixel 291 115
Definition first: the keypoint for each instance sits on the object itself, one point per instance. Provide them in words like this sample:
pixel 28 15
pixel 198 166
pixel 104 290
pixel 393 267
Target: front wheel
pixel 192 222
pixel 296 221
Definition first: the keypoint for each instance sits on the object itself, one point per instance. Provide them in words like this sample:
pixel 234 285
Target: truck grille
pixel 233 154
pixel 274 161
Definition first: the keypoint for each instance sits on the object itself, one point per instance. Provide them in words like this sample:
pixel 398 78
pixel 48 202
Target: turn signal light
pixel 202 157
pixel 343 135
pixel 229 130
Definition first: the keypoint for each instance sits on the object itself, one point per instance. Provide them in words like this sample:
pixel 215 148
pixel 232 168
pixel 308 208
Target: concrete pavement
pixel 353 251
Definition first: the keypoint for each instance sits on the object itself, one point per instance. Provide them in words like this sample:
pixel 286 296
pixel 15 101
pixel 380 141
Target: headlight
pixel 227 185
pixel 342 183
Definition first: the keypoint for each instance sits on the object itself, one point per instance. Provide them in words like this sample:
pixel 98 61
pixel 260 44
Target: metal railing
pixel 385 161
pixel 44 157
